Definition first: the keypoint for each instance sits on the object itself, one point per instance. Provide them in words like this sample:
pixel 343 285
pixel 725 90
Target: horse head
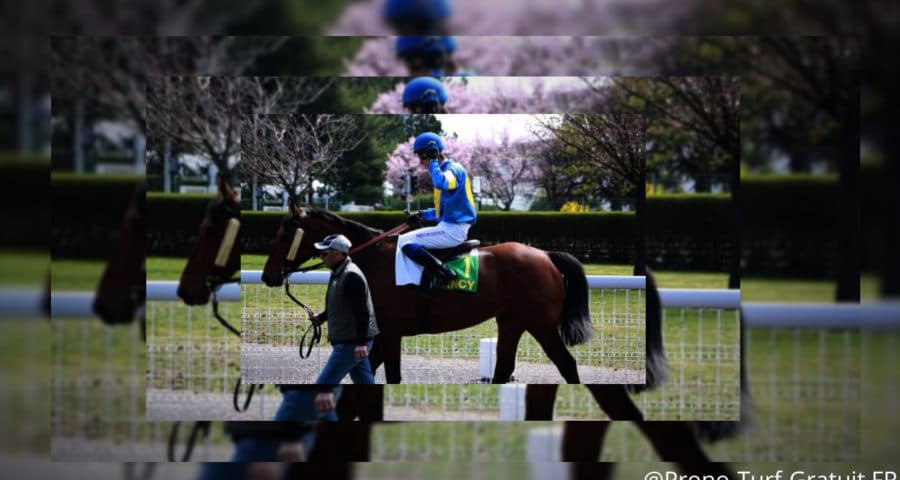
pixel 293 245
pixel 297 233
pixel 122 287
pixel 216 256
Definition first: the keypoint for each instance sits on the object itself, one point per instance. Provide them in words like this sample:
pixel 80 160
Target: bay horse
pixel 215 259
pixel 525 289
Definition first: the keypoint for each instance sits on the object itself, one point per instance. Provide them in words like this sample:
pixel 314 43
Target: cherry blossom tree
pixel 529 17
pixel 502 95
pixel 505 165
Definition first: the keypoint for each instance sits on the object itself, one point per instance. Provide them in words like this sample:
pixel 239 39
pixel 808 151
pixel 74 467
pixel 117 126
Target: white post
pixel 487 357
pixel 254 187
pixel 78 134
pixel 167 166
pixel 140 146
pixel 512 402
pixel 211 174
pixel 544 452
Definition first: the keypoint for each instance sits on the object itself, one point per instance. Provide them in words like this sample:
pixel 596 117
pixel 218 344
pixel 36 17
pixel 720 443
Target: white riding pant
pixel 442 235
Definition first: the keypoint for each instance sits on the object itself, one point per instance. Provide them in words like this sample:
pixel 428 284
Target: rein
pixel 214 284
pixel 316 329
pixel 199 427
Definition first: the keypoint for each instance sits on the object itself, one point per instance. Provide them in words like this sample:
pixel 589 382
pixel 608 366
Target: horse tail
pixel 576 327
pixel 713 431
pixel 657 373
pixel 657 367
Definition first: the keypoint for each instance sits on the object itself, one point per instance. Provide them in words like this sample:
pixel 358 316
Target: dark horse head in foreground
pixel 216 255
pixel 122 289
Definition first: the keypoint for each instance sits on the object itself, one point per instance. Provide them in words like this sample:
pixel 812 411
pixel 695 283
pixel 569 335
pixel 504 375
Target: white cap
pixel 335 242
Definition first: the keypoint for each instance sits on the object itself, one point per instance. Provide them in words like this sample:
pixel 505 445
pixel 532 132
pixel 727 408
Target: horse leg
pixel 539 400
pixel 675 442
pixel 348 405
pixel 370 402
pixel 556 350
pixel 331 471
pixel 592 470
pixel 583 440
pixel 614 400
pixel 392 359
pixel 341 442
pixel 507 343
pixel 376 355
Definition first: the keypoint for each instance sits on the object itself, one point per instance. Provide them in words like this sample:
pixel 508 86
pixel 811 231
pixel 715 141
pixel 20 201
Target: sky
pixel 470 127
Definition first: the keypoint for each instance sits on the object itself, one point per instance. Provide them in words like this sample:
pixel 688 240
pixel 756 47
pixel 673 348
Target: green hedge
pixel 26 218
pixel 173 220
pixel 688 231
pixel 789 225
pixel 87 211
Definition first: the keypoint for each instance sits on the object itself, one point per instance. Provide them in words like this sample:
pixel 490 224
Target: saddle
pixel 431 282
pixel 447 254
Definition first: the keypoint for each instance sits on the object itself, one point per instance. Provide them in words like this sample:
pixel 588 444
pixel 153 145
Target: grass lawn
pixel 24 268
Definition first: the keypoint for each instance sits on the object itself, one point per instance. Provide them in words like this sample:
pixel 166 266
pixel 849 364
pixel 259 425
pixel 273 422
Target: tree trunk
pixel 702 182
pixel 640 219
pixel 615 204
pixel 734 267
pixel 801 160
pixel 848 210
pixel 890 275
pixel 25 121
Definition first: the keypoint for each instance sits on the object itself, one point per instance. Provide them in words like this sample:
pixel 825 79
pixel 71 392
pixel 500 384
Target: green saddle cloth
pixel 466 268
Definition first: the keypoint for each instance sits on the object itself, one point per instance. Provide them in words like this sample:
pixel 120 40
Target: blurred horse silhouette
pixel 122 289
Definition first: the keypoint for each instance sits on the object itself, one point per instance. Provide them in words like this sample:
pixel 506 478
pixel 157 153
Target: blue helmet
pixel 449 43
pixel 416 11
pixel 428 141
pixel 424 91
pixel 421 45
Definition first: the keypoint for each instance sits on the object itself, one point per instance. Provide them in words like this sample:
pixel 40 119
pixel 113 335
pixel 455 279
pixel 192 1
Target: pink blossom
pixel 503 164
pixel 532 17
pixel 503 95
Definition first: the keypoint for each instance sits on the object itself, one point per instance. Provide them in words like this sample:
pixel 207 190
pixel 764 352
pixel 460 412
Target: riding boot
pixel 422 256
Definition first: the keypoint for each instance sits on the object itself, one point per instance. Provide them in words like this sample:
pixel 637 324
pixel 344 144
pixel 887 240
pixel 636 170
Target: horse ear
pixel 225 188
pixel 296 211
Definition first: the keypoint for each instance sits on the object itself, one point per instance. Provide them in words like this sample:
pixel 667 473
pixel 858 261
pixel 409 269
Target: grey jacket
pixel 348 306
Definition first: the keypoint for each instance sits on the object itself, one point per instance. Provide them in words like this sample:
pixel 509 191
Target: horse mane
pixel 354 228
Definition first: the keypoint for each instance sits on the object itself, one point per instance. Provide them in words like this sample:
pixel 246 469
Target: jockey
pixel 425 95
pixel 430 55
pixel 411 17
pixel 454 210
